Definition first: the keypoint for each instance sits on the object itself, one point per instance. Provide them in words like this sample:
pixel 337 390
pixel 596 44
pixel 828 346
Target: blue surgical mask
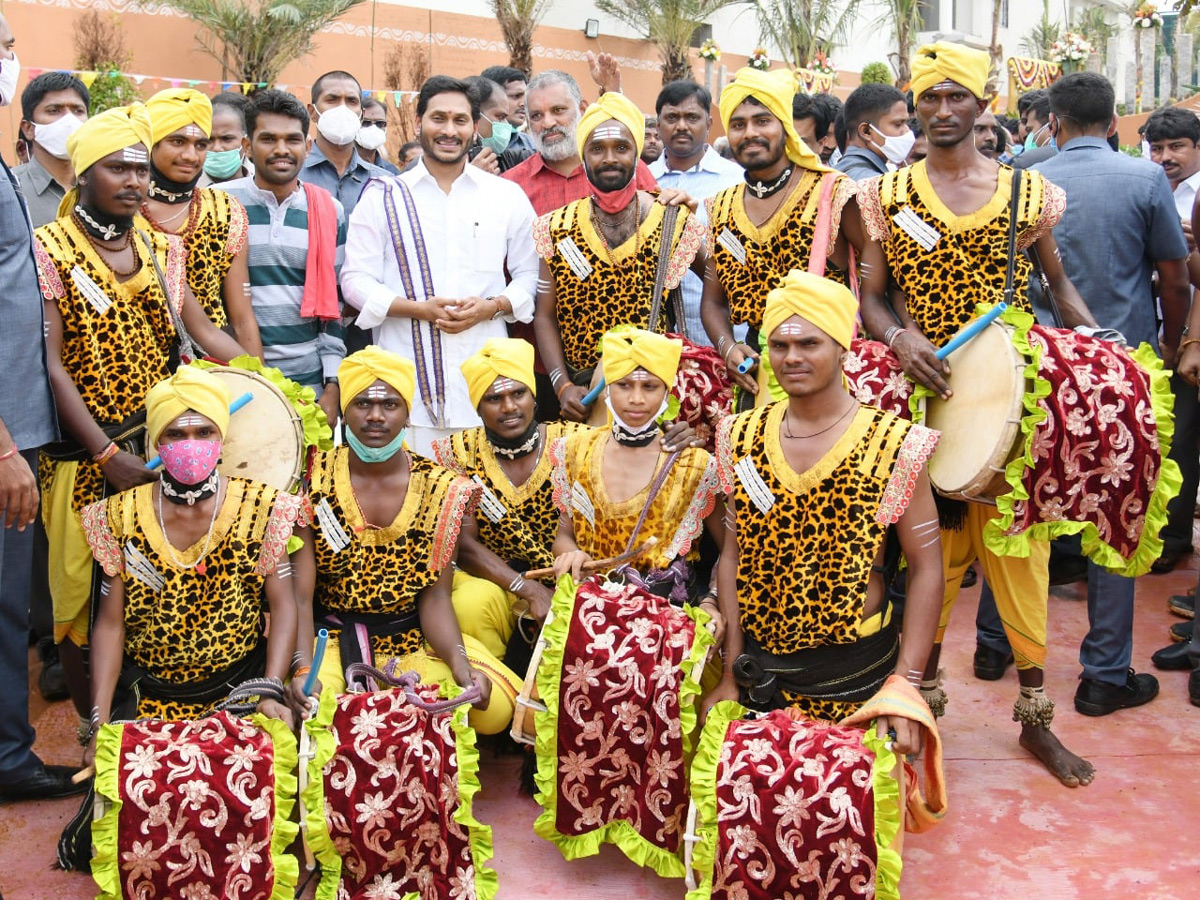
pixel 374 454
pixel 1031 139
pixel 502 133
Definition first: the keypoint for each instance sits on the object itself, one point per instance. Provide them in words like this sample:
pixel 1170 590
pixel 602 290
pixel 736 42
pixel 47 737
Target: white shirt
pixel 472 234
pixel 1185 196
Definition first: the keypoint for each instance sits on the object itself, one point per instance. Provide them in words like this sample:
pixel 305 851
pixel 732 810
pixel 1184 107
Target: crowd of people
pixel 455 314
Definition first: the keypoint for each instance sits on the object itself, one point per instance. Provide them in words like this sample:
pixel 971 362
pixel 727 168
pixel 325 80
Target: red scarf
pixel 320 282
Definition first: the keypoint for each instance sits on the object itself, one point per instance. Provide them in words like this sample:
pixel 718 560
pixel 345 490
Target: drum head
pixel 265 439
pixel 981 422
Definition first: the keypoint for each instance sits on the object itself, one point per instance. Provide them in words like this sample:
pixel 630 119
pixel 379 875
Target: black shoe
pixel 1173 658
pixel 1068 570
pixel 1169 559
pixel 1182 631
pixel 52 682
pixel 50 782
pixel 1194 687
pixel 990 665
pixel 1099 698
pixel 969 578
pixel 1183 604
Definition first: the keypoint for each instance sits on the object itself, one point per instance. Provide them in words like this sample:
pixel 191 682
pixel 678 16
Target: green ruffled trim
pixel 621 833
pixel 480 835
pixel 703 789
pixel 287 867
pixel 318 838
pixel 105 868
pixel 692 670
pixel 1094 548
pixel 294 543
pixel 316 426
pixel 888 816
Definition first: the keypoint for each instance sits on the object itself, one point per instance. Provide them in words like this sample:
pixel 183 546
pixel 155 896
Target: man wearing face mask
pixel 226 158
pixel 53 106
pixel 1039 142
pixel 877 134
pixel 372 136
pixel 497 146
pixel 333 162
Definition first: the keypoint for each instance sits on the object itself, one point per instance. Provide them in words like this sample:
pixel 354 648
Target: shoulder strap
pixel 670 214
pixel 819 252
pixel 188 349
pixel 655 487
pixel 1013 210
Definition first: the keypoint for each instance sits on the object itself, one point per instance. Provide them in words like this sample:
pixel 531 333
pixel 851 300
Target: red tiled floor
pixel 1012 830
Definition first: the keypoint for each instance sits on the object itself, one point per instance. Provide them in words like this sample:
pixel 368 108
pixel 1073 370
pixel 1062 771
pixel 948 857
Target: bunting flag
pixel 1029 74
pixel 813 82
pixel 87 78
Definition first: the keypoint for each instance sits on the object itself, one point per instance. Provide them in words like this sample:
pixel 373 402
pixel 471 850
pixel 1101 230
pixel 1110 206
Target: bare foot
pixel 1064 765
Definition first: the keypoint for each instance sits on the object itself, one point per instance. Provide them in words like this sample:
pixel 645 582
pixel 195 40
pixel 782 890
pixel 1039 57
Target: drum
pixel 266 438
pixel 702 387
pixel 194 809
pixel 784 806
pixel 619 678
pixel 389 796
pixel 981 422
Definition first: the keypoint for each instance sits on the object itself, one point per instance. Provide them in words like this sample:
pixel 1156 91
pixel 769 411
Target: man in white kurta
pixel 438 260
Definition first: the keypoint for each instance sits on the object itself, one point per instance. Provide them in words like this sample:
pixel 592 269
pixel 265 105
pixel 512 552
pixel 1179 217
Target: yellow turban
pixel 612 106
pixel 827 304
pixel 360 370
pixel 774 90
pixel 189 388
pixel 499 358
pixel 112 130
pixel 174 108
pixel 944 61
pixel 623 350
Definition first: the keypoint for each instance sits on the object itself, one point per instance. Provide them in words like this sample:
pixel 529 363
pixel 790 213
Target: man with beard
pixel 985 134
pixel 600 255
pixel 766 227
pixel 296 303
pixel 939 230
pixel 689 164
pixel 439 259
pixel 110 331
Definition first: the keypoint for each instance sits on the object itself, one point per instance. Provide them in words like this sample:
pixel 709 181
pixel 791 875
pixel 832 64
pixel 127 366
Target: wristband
pixel 1181 346
pixel 301 672
pixel 10 453
pixel 558 393
pixel 895 334
pixel 106 454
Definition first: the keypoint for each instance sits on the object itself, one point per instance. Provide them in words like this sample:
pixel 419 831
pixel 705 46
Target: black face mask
pixel 101 225
pixel 514 448
pixel 164 190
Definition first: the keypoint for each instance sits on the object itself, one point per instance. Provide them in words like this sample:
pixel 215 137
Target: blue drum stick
pixel 747 364
pixel 318 658
pixel 233 407
pixel 593 395
pixel 972 330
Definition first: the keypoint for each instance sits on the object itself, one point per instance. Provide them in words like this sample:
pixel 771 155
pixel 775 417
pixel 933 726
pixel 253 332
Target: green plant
pixel 517 20
pixel 100 48
pixel 669 25
pixel 905 18
pixel 254 39
pixel 1131 150
pixel 876 73
pixel 1041 37
pixel 801 29
pixel 1093 25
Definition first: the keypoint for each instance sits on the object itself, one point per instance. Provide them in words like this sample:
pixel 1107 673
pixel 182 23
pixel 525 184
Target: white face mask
pixel 10 71
pixel 339 125
pixel 52 137
pixel 896 147
pixel 371 137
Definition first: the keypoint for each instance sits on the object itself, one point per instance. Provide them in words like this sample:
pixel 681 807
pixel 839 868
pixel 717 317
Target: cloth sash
pixel 320 300
pixel 139 683
pixel 848 672
pixel 409 246
pixel 357 629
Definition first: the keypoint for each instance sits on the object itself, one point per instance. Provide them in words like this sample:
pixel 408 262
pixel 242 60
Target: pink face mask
pixel 190 462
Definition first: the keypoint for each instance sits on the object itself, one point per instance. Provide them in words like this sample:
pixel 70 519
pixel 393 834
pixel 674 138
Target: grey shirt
pixel 320 171
pixel 27 406
pixel 42 192
pixel 1119 221
pixel 860 163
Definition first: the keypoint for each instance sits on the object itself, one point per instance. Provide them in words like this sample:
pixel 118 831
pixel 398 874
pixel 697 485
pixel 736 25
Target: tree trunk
pixel 904 63
pixel 995 51
pixel 520 52
pixel 676 65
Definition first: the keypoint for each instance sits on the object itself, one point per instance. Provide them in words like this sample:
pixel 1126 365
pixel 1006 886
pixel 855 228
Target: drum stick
pixel 593 395
pixel 318 658
pixel 233 407
pixel 83 774
pixel 597 564
pixel 747 364
pixel 973 329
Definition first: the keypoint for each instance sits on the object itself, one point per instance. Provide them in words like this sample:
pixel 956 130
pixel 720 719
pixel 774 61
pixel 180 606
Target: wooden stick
pixel 597 565
pixel 83 775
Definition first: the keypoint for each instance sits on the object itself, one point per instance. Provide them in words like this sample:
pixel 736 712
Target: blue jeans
pixel 1107 649
pixel 17 760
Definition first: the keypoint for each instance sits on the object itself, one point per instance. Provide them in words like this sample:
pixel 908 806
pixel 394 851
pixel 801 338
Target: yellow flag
pixel 87 78
pixel 247 87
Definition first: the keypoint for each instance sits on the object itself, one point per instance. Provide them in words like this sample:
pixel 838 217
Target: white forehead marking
pixel 608 132
pixel 377 392
pixel 640 374
pixel 188 420
pixel 194 131
pixel 502 384
pixel 134 155
pixel 793 328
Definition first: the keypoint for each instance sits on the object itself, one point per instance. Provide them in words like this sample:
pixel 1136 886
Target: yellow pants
pixel 484 611
pixel 1021 585
pixel 71 570
pixel 505 685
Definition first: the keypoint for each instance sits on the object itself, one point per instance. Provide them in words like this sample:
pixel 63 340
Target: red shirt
pixel 547 190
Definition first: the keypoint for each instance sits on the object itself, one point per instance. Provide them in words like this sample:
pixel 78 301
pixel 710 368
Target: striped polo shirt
pixel 307 350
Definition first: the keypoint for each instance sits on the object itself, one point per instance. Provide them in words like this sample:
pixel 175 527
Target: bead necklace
pixel 101 249
pixel 635 210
